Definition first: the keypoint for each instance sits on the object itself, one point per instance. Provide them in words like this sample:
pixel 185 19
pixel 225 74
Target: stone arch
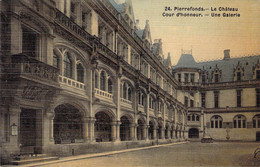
pixel 109 112
pixel 38 22
pixel 193 133
pixel 141 125
pixel 125 128
pixel 80 55
pixel 68 124
pixel 61 100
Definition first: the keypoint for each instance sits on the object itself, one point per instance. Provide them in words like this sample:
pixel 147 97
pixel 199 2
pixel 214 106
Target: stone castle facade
pixel 79 76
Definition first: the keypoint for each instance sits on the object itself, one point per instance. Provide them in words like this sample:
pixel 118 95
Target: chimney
pixel 226 54
pixel 137 24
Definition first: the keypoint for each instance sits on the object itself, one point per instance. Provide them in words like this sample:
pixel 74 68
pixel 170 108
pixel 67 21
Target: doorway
pixel 258 136
pixel 193 133
pixel 30 131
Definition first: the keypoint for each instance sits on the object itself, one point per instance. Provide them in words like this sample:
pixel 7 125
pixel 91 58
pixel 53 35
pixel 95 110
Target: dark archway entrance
pixel 124 129
pixel 140 130
pixel 193 133
pixel 68 124
pixel 166 131
pixel 160 131
pixel 30 131
pixel 151 130
pixel 103 127
pixel 258 136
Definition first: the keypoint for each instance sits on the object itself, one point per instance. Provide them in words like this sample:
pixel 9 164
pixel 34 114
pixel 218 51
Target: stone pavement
pixel 94 155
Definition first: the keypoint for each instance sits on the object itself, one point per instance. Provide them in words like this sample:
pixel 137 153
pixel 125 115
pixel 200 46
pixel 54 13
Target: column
pixel 50 116
pixel 118 130
pixel 173 134
pixel 169 133
pixel 94 23
pixel 145 136
pixel 113 131
pixel 147 115
pixel 132 132
pixel 155 133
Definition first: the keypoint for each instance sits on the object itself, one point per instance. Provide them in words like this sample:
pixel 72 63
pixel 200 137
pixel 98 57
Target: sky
pixel 207 37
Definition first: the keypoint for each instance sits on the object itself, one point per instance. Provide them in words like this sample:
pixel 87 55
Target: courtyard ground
pixel 190 154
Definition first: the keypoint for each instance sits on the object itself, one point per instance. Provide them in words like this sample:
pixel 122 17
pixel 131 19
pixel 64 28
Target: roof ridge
pixel 219 59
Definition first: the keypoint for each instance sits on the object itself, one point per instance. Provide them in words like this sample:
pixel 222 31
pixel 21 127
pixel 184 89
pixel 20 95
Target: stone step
pixel 33 160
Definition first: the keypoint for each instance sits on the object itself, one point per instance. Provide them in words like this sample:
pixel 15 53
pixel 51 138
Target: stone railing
pixel 71 82
pixel 32 68
pixel 190 84
pixel 104 94
pixel 126 101
pixel 140 108
pixel 65 21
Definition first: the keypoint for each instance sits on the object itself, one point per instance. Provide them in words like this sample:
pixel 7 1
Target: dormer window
pixel 192 78
pixel 203 78
pixel 238 76
pixel 216 78
pixel 258 74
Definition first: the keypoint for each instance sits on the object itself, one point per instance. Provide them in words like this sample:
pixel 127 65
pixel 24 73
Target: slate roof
pixel 227 67
pixel 186 60
pixel 117 6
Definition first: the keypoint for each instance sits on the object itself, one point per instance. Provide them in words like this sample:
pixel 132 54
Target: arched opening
pixel 151 130
pixel 55 60
pixel 110 86
pixel 103 127
pixel 80 73
pixel 166 131
pixel 67 124
pixel 103 81
pixel 129 94
pixel 124 91
pixel 67 65
pixel 193 133
pixel 172 133
pixel 160 131
pixel 96 80
pixel 124 129
pixel 140 130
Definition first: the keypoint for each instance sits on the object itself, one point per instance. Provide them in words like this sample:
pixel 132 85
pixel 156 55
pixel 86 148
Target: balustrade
pixel 72 83
pixel 104 94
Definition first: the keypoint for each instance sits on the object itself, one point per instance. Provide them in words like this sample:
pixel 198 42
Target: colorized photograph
pixel 132 83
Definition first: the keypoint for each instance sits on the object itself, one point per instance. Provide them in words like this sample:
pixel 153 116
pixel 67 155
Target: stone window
pixel 216 122
pixel 110 86
pixel 186 101
pixel 239 121
pixel 238 76
pixel 256 121
pixel 103 81
pixel 216 78
pixel 179 77
pixel 239 97
pixel 258 97
pixel 80 73
pixel 203 78
pixel 67 65
pixel 203 99
pixel 192 78
pixel 216 99
pixel 186 78
pixel 29 42
pixel 258 74
pixel 129 94
pixel 55 60
pixel 96 80
pixel 191 103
